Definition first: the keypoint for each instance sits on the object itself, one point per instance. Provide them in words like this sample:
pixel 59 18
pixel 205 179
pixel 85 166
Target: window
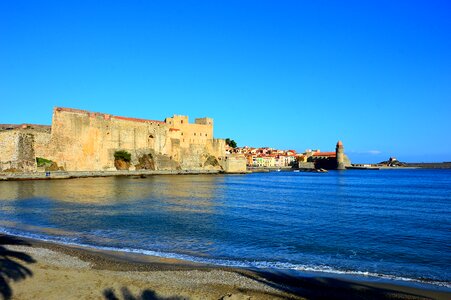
pixel 194 133
pixel 181 121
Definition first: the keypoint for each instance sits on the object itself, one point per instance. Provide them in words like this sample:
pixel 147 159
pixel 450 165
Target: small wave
pixel 225 262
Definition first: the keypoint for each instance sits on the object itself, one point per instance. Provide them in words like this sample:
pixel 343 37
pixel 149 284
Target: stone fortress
pixel 80 140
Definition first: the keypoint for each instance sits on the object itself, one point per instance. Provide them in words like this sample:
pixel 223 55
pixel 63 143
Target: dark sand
pixel 31 269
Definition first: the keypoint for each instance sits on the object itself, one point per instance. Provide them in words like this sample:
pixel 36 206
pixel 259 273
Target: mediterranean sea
pixel 389 224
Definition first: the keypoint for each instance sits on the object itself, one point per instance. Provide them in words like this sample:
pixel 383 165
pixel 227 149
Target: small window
pixel 206 134
pixel 181 133
pixel 194 133
pixel 181 122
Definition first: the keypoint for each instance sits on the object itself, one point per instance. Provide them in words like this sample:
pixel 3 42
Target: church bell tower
pixel 339 151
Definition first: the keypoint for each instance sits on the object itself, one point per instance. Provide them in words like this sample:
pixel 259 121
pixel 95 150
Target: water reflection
pixel 16 190
pixel 98 191
pixel 116 210
pixel 193 194
pixel 180 193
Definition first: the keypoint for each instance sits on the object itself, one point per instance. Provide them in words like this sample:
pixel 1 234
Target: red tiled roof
pixel 324 154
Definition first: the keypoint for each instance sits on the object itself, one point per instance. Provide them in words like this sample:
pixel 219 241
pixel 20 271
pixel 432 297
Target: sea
pixel 386 224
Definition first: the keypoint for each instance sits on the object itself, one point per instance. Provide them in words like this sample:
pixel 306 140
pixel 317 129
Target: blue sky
pixel 286 74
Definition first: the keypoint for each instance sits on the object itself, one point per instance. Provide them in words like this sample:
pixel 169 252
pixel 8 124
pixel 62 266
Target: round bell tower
pixel 340 154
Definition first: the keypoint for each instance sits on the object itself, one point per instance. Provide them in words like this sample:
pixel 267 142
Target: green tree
pixel 231 143
pixel 42 162
pixel 122 155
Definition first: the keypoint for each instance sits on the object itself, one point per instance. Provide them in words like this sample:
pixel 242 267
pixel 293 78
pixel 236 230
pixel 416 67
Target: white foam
pixel 229 263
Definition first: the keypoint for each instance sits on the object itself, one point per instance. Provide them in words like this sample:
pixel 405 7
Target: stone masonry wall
pixel 17 151
pixel 85 141
pixel 82 141
pixel 42 144
pixel 234 164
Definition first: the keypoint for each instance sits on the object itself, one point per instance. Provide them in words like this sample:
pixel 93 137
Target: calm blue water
pixel 391 224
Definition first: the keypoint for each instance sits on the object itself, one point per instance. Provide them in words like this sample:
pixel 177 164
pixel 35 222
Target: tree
pixel 122 155
pixel 231 143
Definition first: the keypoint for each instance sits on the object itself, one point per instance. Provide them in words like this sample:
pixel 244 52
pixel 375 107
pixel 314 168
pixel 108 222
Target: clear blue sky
pixel 286 74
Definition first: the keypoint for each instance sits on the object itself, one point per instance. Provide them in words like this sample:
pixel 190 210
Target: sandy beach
pixel 33 269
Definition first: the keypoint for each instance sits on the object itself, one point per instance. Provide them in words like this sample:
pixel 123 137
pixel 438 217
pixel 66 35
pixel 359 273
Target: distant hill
pixel 393 162
pixel 442 165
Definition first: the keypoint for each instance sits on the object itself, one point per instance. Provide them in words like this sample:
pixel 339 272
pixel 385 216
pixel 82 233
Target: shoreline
pixel 182 259
pixel 189 280
pixel 17 176
pixel 53 175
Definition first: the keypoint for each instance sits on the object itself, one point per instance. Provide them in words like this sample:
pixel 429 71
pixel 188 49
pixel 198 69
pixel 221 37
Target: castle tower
pixel 339 151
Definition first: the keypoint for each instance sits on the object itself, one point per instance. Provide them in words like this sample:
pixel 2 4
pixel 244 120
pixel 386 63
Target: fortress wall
pixel 235 164
pixel 194 157
pixel 87 141
pixel 70 132
pixel 199 133
pixel 25 149
pixel 138 137
pixel 9 149
pixel 195 142
pixel 216 147
pixel 17 151
pixel 42 144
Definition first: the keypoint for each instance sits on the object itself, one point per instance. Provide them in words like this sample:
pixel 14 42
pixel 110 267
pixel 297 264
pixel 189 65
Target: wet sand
pixel 33 269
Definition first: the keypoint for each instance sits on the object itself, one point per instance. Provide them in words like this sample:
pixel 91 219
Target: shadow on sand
pixel 327 288
pixel 145 295
pixel 11 267
pixel 294 288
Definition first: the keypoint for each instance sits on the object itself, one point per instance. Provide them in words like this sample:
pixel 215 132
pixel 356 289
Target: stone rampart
pixel 234 163
pixel 87 141
pixel 17 151
pixel 84 141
